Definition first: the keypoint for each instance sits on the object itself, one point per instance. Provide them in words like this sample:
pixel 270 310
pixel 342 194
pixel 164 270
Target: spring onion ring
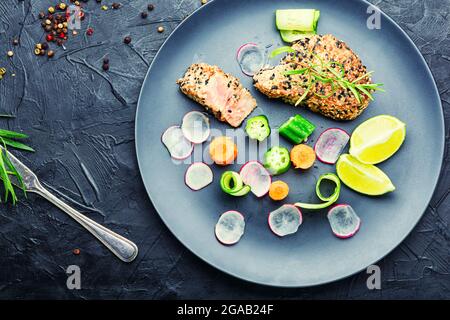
pixel 328 200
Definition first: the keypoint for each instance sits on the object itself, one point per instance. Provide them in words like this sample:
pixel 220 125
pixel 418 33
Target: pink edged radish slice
pixel 178 146
pixel 257 177
pixel 330 145
pixel 198 176
pixel 230 227
pixel 344 221
pixel 196 127
pixel 250 58
pixel 285 220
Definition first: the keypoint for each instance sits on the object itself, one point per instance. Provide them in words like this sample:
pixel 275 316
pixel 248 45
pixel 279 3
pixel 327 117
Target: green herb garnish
pixel 7 169
pixel 281 50
pixel 330 73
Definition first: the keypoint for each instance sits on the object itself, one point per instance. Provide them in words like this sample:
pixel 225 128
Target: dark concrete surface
pixel 81 122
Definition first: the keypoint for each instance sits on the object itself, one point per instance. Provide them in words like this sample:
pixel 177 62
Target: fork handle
pixel 123 248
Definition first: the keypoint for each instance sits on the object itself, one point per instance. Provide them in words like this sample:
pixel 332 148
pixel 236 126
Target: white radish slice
pixel 257 177
pixel 196 127
pixel 178 146
pixel 250 58
pixel 344 221
pixel 285 220
pixel 198 176
pixel 230 227
pixel 330 145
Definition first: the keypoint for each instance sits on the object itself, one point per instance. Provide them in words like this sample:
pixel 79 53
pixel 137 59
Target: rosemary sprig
pixel 7 168
pixel 327 72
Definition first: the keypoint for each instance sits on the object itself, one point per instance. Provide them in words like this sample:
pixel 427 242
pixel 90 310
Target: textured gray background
pixel 81 122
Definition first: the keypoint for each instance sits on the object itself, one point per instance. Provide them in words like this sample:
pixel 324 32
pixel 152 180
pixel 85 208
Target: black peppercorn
pixel 115 5
pixel 127 40
pixel 150 7
pixel 105 66
pixel 15 42
pixel 45 45
pixel 105 60
pixel 144 14
pixel 41 15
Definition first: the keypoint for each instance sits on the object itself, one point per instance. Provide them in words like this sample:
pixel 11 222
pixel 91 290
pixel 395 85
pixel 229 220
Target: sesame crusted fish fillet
pixel 220 93
pixel 329 99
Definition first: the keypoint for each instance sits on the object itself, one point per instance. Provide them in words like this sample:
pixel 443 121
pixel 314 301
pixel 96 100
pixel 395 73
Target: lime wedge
pixel 364 178
pixel 377 139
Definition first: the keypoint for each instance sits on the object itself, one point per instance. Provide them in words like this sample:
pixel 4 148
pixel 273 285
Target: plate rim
pixel 313 283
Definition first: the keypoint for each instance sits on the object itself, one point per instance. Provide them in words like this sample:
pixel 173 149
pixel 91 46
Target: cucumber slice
pixel 297 19
pixel 294 35
pixel 316 19
pixel 242 192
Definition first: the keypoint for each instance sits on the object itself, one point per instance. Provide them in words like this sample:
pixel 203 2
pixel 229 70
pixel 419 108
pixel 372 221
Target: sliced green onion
pixel 328 200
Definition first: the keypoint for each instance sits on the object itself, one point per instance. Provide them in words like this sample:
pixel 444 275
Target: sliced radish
pixel 195 127
pixel 285 220
pixel 250 58
pixel 344 221
pixel 198 176
pixel 178 146
pixel 230 227
pixel 257 177
pixel 330 144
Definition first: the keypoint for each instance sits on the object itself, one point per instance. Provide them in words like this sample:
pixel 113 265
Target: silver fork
pixel 123 248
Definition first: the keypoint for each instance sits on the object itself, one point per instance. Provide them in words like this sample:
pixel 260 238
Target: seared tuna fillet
pixel 218 92
pixel 318 49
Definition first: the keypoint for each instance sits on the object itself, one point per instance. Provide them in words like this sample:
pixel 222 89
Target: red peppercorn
pixel 49 37
pixel 76 251
pixel 90 31
pixel 62 35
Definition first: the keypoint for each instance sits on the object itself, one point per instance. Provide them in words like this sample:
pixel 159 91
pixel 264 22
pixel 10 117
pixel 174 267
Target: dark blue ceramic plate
pixel 312 256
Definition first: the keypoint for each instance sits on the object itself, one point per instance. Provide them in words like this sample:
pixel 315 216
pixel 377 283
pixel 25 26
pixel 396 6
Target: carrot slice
pixel 223 151
pixel 303 156
pixel 279 190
